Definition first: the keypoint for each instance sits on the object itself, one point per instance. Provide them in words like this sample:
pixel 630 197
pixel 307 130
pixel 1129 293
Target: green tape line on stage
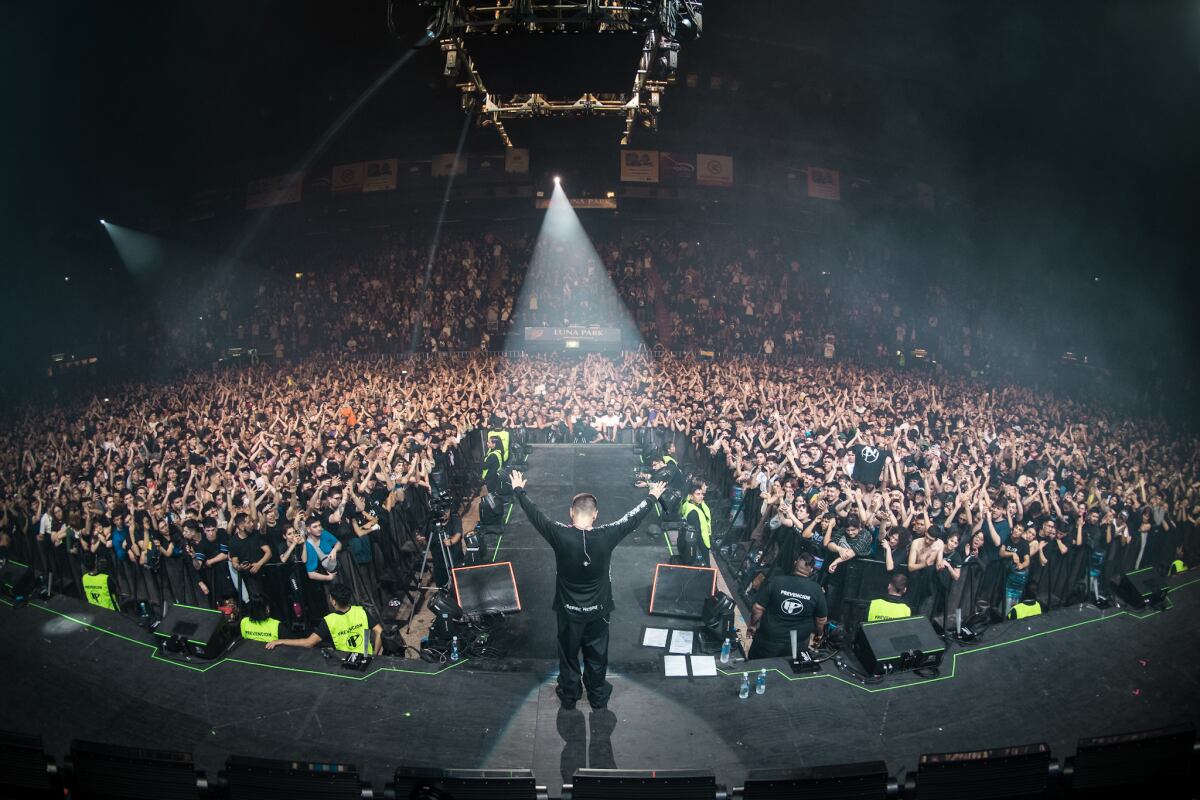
pixel 954 657
pixel 156 656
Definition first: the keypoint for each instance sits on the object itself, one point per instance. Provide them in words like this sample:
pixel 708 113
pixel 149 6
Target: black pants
pixel 762 647
pixel 592 637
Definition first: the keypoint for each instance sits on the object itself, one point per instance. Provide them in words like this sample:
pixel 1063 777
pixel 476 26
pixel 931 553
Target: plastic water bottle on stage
pixel 725 650
pixel 454 649
pixel 760 685
pixel 744 692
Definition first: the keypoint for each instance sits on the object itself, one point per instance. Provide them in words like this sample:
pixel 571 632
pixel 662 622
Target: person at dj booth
pixel 788 603
pixel 582 587
pixel 346 627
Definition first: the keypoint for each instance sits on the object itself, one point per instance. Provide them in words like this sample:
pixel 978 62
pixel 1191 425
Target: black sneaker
pixel 598 705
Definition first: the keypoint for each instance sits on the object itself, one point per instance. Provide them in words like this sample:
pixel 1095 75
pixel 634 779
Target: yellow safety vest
pixel 669 460
pixel 705 519
pixel 97 592
pixel 1023 610
pixel 265 631
pixel 503 437
pixel 1178 566
pixel 493 455
pixel 349 630
pixel 881 609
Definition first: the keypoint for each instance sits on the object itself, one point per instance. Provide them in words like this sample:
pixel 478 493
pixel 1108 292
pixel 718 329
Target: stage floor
pixel 73 672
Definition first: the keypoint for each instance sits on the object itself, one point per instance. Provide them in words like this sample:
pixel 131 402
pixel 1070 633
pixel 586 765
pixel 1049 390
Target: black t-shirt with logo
pixel 868 463
pixel 791 603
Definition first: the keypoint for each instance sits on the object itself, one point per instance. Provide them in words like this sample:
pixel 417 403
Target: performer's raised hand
pixel 518 480
pixel 657 488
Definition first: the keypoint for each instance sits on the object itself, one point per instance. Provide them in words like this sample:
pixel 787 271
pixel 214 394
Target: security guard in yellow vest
pixel 493 460
pixel 347 627
pixel 1026 608
pixel 697 514
pixel 504 440
pixel 891 605
pixel 98 586
pixel 1029 605
pixel 258 625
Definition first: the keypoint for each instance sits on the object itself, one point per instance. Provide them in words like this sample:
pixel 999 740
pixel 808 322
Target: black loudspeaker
pixel 486 589
pixel 201 632
pixel 108 772
pixel 832 782
pixel 268 779
pixel 1021 771
pixel 467 784
pixel 681 591
pixel 894 645
pixel 25 769
pixel 635 784
pixel 1142 588
pixel 1160 762
pixel 16 579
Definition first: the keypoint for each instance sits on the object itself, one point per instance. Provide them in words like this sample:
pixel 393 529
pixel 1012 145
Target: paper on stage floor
pixel 703 666
pixel 681 642
pixel 675 666
pixel 655 637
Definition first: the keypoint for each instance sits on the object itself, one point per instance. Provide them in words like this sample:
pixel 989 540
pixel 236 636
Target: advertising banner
pixel 581 333
pixel 824 183
pixel 677 169
pixel 276 190
pixel 714 170
pixel 516 161
pixel 446 163
pixel 380 176
pixel 639 166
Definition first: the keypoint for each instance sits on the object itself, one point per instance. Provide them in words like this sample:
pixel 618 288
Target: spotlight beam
pixel 415 339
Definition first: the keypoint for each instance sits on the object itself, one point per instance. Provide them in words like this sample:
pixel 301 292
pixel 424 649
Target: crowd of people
pixel 282 479
pixel 719 290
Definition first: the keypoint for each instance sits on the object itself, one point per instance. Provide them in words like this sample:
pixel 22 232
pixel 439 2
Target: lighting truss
pixel 662 25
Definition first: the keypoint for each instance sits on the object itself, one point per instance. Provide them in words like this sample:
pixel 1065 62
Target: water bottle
pixel 760 685
pixel 725 650
pixel 744 692
pixel 454 649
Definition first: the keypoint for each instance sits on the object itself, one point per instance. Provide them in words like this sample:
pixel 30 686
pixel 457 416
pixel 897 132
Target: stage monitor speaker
pixel 1154 761
pixel 868 779
pixel 16 579
pixel 681 591
pixel 467 784
pixel 895 645
pixel 1021 771
pixel 267 779
pixel 201 632
pixel 636 784
pixel 1142 588
pixel 487 589
pixel 108 772
pixel 26 772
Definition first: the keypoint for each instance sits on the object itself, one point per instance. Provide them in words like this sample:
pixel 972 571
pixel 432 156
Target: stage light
pixel 102 222
pixel 557 180
pixel 610 195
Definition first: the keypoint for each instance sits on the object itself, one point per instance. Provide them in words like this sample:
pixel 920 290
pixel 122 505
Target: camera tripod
pixel 434 530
